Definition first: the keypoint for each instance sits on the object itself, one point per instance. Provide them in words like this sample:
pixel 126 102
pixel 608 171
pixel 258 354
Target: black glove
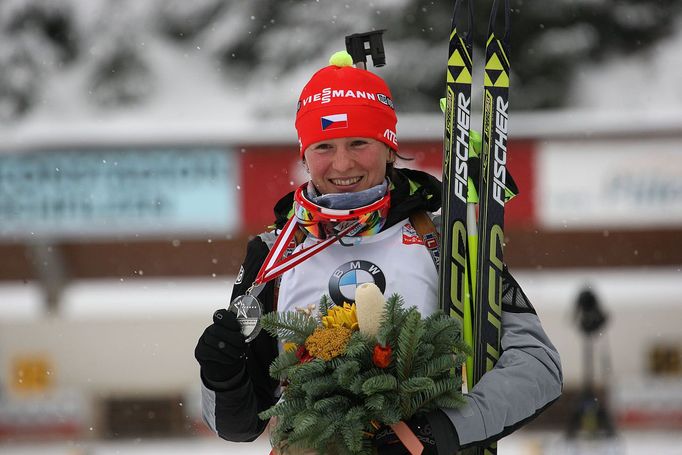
pixel 427 428
pixel 221 350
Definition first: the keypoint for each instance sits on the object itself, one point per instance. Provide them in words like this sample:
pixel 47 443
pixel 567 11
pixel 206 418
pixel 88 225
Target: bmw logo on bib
pixel 349 276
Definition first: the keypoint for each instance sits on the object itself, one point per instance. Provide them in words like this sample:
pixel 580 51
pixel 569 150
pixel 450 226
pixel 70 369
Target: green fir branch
pixel 426 399
pixel 336 402
pixel 351 428
pixel 408 339
pixel 294 391
pixel 442 331
pixel 319 388
pixel 421 358
pixel 346 373
pixel 416 385
pixel 290 326
pixel 291 406
pixel 282 363
pixel 285 422
pixel 358 346
pixel 375 402
pixel 359 380
pixel 461 349
pixel 304 372
pixel 392 319
pixel 336 362
pixel 380 383
pixel 321 440
pixel 303 422
pixel 391 411
pixel 439 364
pixel 426 350
pixel 452 400
pixel 367 446
pixel 324 305
pixel 412 393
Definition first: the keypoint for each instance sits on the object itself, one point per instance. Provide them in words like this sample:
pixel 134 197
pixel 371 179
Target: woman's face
pixel 347 165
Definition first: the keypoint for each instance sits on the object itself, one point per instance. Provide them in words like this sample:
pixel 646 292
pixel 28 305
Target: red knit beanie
pixel 343 101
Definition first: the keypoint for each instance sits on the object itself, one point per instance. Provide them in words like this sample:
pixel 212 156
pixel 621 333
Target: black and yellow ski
pixel 454 277
pixel 470 278
pixel 487 318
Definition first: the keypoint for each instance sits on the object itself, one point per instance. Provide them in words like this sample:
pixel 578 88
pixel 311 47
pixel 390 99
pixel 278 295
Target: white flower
pixel 370 306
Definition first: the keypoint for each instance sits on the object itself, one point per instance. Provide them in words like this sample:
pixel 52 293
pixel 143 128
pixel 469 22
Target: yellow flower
pixel 327 343
pixel 341 316
pixel 289 346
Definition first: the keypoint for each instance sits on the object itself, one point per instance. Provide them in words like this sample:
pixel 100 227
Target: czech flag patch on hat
pixel 335 121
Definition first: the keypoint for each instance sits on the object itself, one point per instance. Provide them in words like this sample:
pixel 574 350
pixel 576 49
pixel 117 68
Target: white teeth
pixel 345 182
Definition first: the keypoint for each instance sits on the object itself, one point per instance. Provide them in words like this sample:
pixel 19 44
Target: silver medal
pixel 248 310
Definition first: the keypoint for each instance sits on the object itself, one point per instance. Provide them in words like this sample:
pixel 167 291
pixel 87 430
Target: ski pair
pixel 470 275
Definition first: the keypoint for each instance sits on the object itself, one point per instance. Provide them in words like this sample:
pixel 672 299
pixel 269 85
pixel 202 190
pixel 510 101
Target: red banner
pixel 268 173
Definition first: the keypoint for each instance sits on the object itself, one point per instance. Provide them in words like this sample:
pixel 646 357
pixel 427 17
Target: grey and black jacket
pixel 525 381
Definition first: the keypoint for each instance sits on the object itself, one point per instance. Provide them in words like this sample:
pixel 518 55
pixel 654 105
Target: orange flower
pixel 382 356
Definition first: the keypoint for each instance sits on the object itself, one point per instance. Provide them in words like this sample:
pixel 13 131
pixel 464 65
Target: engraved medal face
pixel 248 310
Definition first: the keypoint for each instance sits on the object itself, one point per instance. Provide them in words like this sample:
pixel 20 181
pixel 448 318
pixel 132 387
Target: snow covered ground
pixel 520 443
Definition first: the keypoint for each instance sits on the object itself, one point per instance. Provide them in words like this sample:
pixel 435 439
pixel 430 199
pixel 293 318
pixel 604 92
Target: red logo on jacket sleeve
pixel 410 236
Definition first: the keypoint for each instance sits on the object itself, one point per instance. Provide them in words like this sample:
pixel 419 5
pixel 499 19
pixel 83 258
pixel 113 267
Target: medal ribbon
pixel 275 265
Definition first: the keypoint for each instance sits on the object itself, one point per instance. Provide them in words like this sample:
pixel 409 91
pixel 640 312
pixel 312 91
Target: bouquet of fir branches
pixel 348 370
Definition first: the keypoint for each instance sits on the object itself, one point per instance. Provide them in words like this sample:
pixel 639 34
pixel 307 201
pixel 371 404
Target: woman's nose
pixel 342 160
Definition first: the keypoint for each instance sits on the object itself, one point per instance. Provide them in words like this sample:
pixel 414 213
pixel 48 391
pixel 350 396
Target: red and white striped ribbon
pixel 275 265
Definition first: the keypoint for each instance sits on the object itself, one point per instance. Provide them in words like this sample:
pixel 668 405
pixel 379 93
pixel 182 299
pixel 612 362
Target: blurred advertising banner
pixel 270 172
pixel 32 373
pixel 609 184
pixel 84 193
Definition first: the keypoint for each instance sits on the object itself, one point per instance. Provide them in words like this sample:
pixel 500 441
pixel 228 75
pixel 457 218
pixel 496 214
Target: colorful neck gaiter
pixel 321 228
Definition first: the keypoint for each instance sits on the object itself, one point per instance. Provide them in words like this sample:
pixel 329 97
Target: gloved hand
pixel 221 350
pixel 429 428
pixel 387 442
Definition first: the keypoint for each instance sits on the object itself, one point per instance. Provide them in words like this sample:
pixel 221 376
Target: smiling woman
pixel 360 220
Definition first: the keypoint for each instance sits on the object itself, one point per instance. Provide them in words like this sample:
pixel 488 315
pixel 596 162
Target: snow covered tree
pixel 268 47
pixel 36 37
